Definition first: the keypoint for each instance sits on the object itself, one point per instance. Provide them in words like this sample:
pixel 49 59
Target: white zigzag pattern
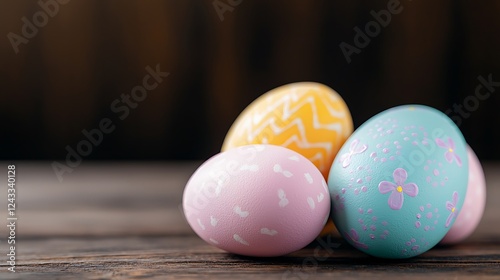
pixel 288 111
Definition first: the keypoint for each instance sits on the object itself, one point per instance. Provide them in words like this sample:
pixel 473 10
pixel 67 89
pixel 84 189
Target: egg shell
pixel 399 182
pixel 309 118
pixel 257 200
pixel 474 204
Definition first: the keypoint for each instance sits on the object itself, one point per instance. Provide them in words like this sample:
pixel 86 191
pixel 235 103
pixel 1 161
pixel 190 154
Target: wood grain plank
pixel 188 257
pixel 107 198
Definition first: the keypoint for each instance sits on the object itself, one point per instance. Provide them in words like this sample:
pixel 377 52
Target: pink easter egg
pixel 474 203
pixel 257 200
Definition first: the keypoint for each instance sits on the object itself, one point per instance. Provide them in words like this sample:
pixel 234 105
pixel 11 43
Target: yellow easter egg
pixel 309 118
pixel 330 229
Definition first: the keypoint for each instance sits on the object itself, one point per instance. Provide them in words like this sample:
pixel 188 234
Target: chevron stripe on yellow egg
pixel 309 118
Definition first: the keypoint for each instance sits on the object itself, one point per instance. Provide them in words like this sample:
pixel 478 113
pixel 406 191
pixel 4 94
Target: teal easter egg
pixel 399 182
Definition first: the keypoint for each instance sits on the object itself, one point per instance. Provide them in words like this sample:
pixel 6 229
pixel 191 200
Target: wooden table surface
pixel 115 220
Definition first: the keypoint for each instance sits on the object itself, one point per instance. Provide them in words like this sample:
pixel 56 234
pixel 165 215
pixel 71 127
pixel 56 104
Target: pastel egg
pixel 474 204
pixel 398 183
pixel 309 118
pixel 257 200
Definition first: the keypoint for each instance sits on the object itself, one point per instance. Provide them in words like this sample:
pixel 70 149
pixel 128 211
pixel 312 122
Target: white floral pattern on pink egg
pixel 257 200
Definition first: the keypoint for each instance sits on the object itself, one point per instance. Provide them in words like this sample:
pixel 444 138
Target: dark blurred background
pixel 223 54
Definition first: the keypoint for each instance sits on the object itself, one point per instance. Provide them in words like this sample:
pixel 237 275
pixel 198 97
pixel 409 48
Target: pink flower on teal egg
pixel 398 189
pixel 452 207
pixel 354 238
pixel 450 153
pixel 354 149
